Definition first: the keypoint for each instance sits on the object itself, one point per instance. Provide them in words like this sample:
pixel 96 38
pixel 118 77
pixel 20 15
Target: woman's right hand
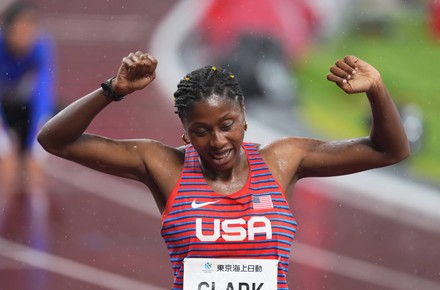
pixel 136 72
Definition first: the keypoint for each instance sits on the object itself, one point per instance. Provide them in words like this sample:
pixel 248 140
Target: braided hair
pixel 203 83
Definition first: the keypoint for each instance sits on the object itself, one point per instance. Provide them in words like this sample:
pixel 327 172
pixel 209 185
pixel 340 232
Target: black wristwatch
pixel 109 93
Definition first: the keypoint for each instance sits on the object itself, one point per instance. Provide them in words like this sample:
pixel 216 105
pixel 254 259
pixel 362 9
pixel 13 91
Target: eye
pixel 226 126
pixel 200 132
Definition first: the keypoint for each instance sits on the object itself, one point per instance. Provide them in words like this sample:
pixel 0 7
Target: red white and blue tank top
pixel 253 223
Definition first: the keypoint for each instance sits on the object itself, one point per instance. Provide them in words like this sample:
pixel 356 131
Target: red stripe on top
pixel 254 222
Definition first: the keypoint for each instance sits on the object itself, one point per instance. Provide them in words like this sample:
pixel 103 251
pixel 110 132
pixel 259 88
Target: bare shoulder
pixel 160 166
pixel 159 155
pixel 285 147
pixel 163 166
pixel 283 157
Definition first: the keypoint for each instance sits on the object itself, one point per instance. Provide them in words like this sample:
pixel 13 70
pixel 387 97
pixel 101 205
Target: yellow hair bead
pixel 231 76
pixel 186 78
pixel 214 68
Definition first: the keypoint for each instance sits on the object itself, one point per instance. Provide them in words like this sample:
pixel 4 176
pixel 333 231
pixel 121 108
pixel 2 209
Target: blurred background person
pixel 26 102
pixel 434 18
pixel 259 40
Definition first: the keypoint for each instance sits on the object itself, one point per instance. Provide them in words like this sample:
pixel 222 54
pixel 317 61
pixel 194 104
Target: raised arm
pixel 386 144
pixel 64 135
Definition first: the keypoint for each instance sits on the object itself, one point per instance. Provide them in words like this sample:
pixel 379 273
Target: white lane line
pixel 168 36
pixel 78 28
pixel 136 198
pixel 69 268
pixel 130 196
pixel 358 269
pixel 386 196
pixel 139 199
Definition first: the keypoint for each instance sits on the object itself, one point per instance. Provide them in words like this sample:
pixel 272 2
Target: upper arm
pixel 293 158
pixel 331 158
pixel 134 159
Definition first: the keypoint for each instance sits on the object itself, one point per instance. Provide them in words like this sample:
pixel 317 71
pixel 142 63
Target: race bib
pixel 230 274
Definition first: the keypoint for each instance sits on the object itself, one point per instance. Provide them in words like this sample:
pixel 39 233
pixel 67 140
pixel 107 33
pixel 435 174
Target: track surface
pixel 103 232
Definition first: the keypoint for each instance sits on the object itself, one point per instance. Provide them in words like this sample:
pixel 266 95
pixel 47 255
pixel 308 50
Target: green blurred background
pixel 404 50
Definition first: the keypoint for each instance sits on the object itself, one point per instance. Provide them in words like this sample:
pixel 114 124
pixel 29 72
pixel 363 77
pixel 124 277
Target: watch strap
pixel 108 91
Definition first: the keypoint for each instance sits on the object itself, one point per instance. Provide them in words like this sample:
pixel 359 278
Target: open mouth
pixel 221 156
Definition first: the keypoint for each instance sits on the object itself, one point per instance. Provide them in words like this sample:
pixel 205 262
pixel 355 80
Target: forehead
pixel 25 21
pixel 213 108
pixel 26 16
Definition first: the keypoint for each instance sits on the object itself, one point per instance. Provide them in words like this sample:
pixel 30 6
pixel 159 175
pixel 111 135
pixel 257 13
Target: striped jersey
pixel 253 223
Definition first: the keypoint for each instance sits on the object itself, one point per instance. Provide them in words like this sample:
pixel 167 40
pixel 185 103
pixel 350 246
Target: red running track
pixel 102 232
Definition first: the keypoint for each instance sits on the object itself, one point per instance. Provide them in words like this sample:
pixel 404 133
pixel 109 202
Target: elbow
pixel 401 154
pixel 406 153
pixel 44 139
pixel 392 152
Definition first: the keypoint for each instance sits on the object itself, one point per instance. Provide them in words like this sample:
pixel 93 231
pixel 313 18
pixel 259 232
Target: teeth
pixel 220 155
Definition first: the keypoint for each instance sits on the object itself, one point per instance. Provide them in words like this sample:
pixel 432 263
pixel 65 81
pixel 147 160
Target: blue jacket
pixel 30 80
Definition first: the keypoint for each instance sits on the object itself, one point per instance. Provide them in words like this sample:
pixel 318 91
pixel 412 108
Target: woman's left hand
pixel 354 75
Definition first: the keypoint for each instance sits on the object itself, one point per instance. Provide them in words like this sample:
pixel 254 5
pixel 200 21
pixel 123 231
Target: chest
pixel 218 220
pixel 200 210
pixel 235 184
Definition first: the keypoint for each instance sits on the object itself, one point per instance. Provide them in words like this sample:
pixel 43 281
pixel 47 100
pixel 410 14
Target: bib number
pixel 230 274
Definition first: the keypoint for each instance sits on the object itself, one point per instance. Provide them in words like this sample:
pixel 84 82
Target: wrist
pixel 376 86
pixel 110 90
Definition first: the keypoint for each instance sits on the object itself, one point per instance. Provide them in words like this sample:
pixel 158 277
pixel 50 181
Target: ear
pixel 243 108
pixel 185 140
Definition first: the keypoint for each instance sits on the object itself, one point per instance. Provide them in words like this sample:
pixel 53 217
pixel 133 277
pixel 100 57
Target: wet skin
pixel 215 127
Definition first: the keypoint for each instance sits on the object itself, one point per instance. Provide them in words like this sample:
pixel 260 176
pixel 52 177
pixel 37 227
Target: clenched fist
pixel 137 71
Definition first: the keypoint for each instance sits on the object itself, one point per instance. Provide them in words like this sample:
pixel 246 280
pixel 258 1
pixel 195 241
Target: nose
pixel 217 139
